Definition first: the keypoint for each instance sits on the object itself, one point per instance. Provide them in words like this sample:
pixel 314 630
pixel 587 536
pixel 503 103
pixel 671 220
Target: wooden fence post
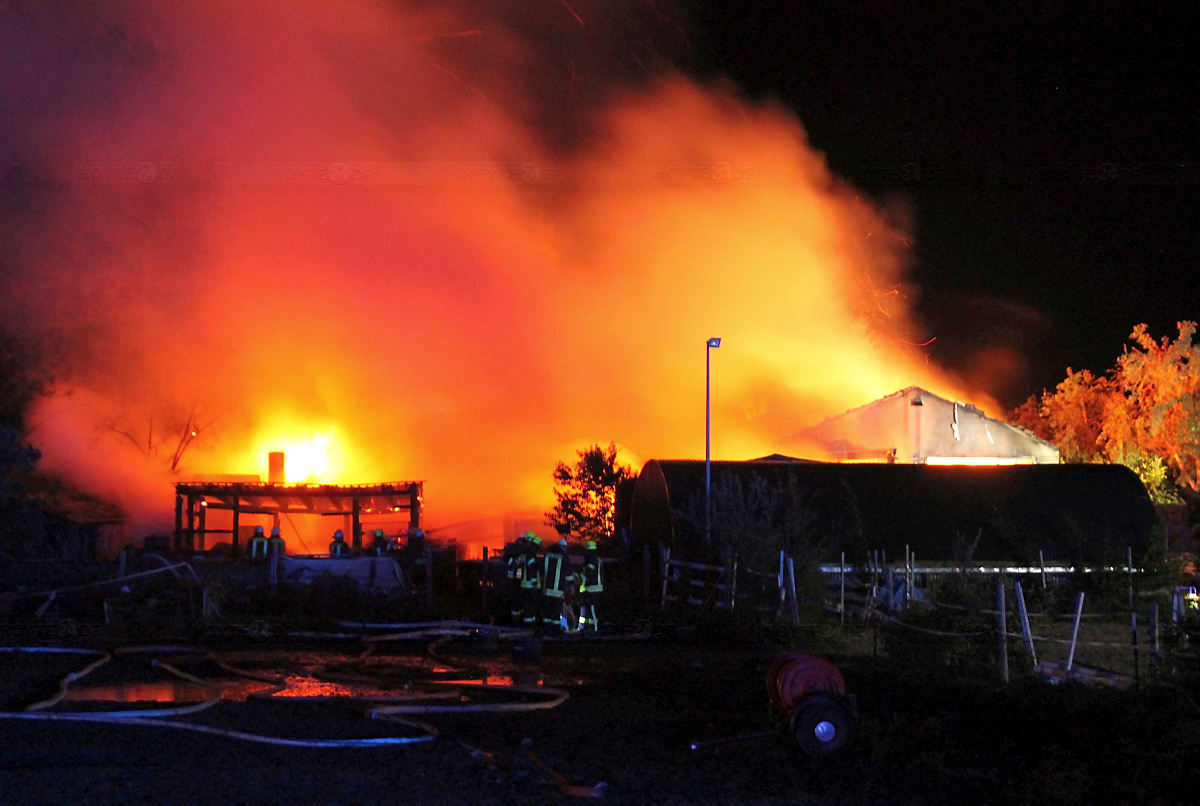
pixel 730 580
pixel 782 583
pixel 888 581
pixel 1154 645
pixel 1133 639
pixel 906 584
pixel 1002 629
pixel 842 596
pixel 792 590
pixel 1129 570
pixel 912 574
pixel 1075 631
pixel 1026 634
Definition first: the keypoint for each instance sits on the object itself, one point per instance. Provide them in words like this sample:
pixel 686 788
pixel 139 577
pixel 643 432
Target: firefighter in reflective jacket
pixel 514 571
pixel 591 585
pixel 531 579
pixel 339 547
pixel 275 544
pixel 380 545
pixel 556 575
pixel 258 543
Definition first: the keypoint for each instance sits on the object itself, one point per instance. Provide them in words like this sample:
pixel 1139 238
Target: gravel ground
pixel 634 708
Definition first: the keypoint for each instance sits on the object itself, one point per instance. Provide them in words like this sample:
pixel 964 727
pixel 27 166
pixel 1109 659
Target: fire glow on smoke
pixel 327 232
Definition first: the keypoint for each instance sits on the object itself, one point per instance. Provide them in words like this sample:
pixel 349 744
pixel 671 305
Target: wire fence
pixel 930 614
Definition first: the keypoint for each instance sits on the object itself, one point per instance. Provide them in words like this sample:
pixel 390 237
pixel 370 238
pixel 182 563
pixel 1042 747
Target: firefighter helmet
pixel 338 535
pixel 378 534
pixel 590 545
pixel 258 531
pixel 535 540
pixel 531 536
pixel 275 532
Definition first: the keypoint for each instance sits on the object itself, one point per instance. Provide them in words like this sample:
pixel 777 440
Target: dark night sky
pixel 1024 240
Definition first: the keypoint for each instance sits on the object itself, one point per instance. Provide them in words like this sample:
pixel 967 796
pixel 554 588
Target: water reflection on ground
pixel 308 674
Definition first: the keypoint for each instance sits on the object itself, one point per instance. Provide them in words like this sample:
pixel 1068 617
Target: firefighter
pixel 556 572
pixel 531 579
pixel 275 545
pixel 339 547
pixel 379 543
pixel 514 571
pixel 258 543
pixel 414 552
pixel 591 585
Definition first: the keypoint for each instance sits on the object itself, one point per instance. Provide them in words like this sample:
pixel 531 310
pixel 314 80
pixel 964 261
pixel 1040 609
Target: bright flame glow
pixel 311 455
pixel 424 312
pixel 980 460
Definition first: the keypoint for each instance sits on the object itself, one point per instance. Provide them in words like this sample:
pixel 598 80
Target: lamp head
pixel 714 342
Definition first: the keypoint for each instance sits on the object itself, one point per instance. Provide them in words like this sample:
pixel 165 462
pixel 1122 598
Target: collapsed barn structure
pixel 1085 514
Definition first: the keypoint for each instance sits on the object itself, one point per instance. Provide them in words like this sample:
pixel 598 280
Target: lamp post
pixel 708 348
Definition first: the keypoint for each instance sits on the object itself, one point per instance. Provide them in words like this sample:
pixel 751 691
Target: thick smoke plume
pixel 361 233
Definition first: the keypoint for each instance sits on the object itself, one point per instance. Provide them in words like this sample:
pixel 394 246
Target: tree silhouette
pixel 587 492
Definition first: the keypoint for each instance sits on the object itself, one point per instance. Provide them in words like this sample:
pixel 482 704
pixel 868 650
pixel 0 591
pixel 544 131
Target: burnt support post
pixel 237 511
pixel 414 506
pixel 199 544
pixel 190 537
pixel 356 524
pixel 484 577
pixel 178 520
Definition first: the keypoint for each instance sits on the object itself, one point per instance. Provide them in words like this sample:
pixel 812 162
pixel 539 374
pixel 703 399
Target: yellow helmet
pixel 535 540
pixel 529 536
pixel 590 545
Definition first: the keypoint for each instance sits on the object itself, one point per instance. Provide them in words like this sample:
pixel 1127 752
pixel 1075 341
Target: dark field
pixel 634 707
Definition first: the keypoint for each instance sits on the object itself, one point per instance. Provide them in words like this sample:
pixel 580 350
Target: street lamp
pixel 713 342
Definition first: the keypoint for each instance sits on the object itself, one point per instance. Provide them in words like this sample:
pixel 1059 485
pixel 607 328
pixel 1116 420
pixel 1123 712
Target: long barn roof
pixel 1086 513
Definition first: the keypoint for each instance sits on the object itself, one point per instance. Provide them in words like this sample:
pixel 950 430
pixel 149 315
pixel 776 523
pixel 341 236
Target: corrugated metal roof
pixel 925 392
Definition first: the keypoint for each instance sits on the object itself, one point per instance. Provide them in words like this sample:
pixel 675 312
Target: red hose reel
pixel 811 693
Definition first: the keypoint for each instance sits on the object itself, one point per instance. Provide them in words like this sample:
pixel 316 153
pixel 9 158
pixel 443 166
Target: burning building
pixel 915 426
pixel 348 504
pixel 378 245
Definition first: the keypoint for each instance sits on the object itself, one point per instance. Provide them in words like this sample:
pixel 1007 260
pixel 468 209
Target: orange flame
pixel 457 302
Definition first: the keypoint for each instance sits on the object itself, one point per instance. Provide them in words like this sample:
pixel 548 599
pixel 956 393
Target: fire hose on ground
pixel 390 709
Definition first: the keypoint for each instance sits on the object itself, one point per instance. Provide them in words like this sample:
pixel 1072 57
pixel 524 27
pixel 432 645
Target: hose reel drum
pixel 809 693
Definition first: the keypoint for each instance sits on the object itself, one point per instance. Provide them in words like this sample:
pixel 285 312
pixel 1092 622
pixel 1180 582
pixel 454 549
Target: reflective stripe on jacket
pixel 592 578
pixel 555 570
pixel 530 578
pixel 513 561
